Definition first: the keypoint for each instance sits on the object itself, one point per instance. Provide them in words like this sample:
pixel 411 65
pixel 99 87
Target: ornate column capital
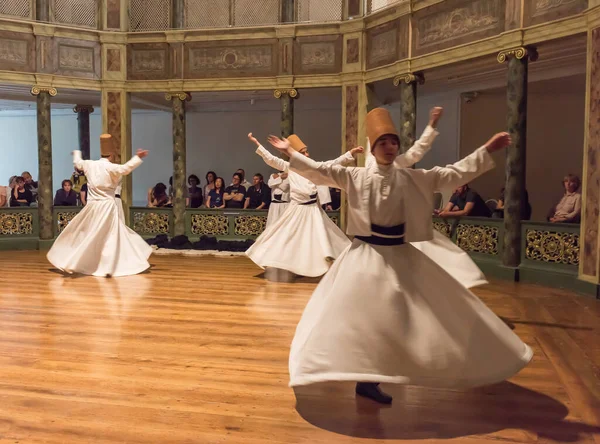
pixel 409 78
pixel 292 92
pixel 36 90
pixel 83 109
pixel 519 53
pixel 183 96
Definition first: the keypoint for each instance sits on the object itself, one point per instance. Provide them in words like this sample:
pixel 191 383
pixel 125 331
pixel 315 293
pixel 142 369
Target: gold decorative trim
pixel 443 227
pixel 519 53
pixel 63 218
pixel 12 224
pixel 151 223
pixel 250 225
pixel 83 108
pixel 36 90
pixel 478 238
pixel 552 247
pixel 409 78
pixel 292 92
pixel 209 224
pixel 183 96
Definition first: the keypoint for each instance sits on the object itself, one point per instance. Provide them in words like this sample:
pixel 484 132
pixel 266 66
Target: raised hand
pixel 253 139
pixel 141 153
pixel 357 150
pixel 497 142
pixel 282 145
pixel 434 116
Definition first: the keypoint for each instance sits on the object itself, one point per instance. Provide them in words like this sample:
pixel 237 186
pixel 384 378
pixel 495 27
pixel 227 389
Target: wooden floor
pixel 196 352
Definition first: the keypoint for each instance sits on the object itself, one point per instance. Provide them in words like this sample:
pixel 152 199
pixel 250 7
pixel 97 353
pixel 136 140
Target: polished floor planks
pixel 196 352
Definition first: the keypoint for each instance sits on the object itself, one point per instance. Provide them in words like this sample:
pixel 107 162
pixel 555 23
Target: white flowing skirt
pixel 391 314
pixel 302 241
pixel 453 259
pixel 97 242
pixel 275 212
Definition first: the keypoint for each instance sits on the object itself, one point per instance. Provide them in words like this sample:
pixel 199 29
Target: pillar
pixel 116 121
pixel 179 153
pixel 516 165
pixel 288 11
pixel 286 97
pixel 408 108
pixel 83 128
pixel 178 21
pixel 44 133
pixel 589 258
pixel 42 10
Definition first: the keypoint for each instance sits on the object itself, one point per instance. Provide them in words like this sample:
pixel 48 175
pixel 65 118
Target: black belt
pixel 312 201
pixel 397 230
pixel 117 196
pixel 277 198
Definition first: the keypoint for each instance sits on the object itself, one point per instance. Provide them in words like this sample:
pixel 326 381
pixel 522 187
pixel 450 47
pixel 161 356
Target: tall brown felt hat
pixel 107 145
pixel 296 143
pixel 379 123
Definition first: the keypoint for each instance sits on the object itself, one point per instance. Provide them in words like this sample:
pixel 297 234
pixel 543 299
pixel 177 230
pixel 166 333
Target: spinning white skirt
pixel 302 241
pixel 97 242
pixel 391 314
pixel 275 212
pixel 453 259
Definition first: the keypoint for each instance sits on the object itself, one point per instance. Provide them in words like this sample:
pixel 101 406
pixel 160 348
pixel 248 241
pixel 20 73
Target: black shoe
pixel 371 390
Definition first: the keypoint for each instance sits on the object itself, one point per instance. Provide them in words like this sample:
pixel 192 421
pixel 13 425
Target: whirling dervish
pixel 398 316
pixel 97 242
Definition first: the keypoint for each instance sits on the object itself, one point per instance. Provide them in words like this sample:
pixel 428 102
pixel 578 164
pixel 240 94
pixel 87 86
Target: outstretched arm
pixel 78 161
pixel 270 159
pixel 132 164
pixel 320 173
pixel 416 152
pixel 471 167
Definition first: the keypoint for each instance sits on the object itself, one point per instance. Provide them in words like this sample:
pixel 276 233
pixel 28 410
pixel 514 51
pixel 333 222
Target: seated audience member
pixel 30 184
pixel 258 196
pixel 465 202
pixel 158 197
pixel 66 196
pixel 235 193
pixel 83 193
pixel 20 196
pixel 499 210
pixel 78 179
pixel 244 182
pixel 336 200
pixel 215 196
pixel 194 199
pixel 6 192
pixel 568 210
pixel 211 176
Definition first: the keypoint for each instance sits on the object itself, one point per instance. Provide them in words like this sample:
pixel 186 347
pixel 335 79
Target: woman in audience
pixel 211 176
pixel 158 197
pixel 66 196
pixel 194 199
pixel 568 210
pixel 215 196
pixel 20 196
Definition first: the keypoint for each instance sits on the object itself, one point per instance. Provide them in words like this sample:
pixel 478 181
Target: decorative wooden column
pixel 179 159
pixel 178 21
pixel 286 98
pixel 42 10
pixel 516 165
pixel 288 11
pixel 408 108
pixel 44 133
pixel 589 258
pixel 83 128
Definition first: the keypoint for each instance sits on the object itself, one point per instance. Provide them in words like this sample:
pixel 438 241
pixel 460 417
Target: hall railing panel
pixel 19 229
pixel 150 15
pixel 550 246
pixel 83 13
pixel 151 222
pixel 63 216
pixel 19 9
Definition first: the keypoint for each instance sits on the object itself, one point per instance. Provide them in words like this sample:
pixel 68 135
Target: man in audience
pixel 244 182
pixel 235 193
pixel 258 196
pixel 465 202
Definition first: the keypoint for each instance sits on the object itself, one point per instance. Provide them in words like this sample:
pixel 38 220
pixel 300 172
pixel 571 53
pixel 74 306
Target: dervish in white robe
pixel 386 312
pixel 280 196
pixel 304 240
pixel 97 242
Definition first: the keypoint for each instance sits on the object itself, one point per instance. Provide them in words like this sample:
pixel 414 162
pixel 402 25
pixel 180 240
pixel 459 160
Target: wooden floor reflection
pixel 196 352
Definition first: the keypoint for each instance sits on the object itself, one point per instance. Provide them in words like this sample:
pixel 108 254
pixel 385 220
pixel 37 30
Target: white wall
pixel 18 147
pixel 218 141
